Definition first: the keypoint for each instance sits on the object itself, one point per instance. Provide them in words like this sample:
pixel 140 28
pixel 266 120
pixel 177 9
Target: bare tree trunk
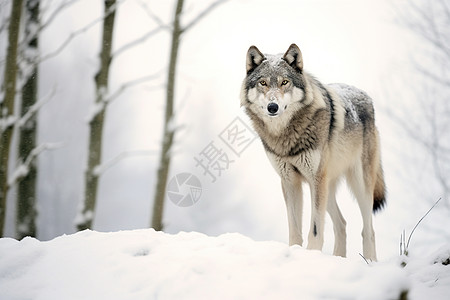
pixel 7 105
pixel 26 194
pixel 96 124
pixel 168 133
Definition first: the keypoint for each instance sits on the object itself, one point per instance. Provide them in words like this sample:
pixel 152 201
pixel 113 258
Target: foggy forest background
pixel 103 102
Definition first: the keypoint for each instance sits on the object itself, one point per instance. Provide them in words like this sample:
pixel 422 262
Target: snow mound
pixel 145 264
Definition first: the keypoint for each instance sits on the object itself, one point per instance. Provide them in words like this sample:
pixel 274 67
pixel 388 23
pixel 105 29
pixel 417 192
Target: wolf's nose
pixel 272 107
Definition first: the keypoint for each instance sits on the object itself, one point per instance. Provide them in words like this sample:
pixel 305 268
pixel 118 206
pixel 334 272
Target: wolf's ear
pixel 254 58
pixel 293 57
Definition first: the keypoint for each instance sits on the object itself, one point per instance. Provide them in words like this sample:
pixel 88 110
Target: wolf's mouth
pixel 272 115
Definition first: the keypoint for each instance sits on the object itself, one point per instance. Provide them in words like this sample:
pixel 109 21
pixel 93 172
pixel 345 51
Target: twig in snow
pixel 409 238
pixel 364 258
pixel 404 246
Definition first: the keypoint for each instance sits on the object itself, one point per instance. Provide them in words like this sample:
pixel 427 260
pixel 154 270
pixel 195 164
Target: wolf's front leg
pixel 292 191
pixel 319 198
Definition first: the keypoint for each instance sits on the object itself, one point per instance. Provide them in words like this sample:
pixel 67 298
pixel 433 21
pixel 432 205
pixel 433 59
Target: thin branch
pixel 403 250
pixel 79 32
pixel 23 169
pixel 99 170
pixel 154 87
pixel 152 16
pixel 446 7
pixel 144 37
pixel 69 39
pixel 56 12
pixel 6 122
pixel 203 14
pixel 429 30
pixel 412 131
pixel 409 238
pixel 4 24
pixel 434 149
pixel 137 41
pixel 131 83
pixel 100 106
pixel 432 75
pixel 364 258
pixel 35 108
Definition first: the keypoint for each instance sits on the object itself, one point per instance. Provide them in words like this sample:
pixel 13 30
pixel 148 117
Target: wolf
pixel 316 134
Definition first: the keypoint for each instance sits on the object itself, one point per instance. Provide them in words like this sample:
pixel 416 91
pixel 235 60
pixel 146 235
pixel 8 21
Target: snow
pixel 145 264
pixel 94 110
pixel 99 105
pixel 433 273
pixel 7 122
pixel 83 217
pixel 20 172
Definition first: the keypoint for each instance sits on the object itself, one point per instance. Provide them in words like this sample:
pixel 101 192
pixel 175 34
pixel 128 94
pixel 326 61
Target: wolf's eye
pixel 263 83
pixel 284 82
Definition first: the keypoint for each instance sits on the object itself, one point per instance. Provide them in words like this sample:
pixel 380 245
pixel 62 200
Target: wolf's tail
pixel 379 192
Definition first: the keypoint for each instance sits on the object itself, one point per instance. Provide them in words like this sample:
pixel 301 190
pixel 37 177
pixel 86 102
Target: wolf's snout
pixel 272 108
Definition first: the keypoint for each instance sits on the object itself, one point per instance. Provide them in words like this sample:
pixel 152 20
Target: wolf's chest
pixel 292 142
pixel 306 164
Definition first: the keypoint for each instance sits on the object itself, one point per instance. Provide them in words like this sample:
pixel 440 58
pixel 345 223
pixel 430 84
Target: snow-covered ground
pixel 144 264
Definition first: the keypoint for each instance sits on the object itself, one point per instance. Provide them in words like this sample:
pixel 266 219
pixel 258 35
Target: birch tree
pixel 97 121
pixel 24 121
pixel 7 97
pixel 26 192
pixel 168 131
pixel 95 166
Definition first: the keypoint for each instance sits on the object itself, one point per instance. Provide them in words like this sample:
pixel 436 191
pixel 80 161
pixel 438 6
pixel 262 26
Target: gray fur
pixel 319 134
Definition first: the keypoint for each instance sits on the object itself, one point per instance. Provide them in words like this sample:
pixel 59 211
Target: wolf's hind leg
pixel 339 224
pixel 364 196
pixel 292 191
pixel 368 234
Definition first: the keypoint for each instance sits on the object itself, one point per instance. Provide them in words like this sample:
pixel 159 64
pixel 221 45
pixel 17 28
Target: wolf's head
pixel 275 85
